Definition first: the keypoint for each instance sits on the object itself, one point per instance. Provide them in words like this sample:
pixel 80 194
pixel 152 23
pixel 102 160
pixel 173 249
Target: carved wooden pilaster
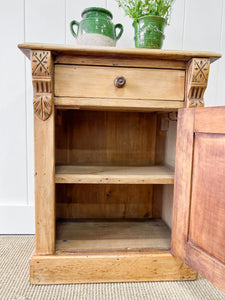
pixel 42 76
pixel 196 81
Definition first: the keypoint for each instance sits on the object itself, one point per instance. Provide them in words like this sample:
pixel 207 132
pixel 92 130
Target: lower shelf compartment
pixel 112 235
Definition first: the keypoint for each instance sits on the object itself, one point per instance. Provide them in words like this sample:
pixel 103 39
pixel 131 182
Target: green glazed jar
pixel 149 32
pixel 96 28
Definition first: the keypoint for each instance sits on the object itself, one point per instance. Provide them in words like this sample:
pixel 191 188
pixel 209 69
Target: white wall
pixel 195 25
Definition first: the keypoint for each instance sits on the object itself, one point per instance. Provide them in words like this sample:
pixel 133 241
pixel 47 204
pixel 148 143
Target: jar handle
pixel 120 26
pixel 71 27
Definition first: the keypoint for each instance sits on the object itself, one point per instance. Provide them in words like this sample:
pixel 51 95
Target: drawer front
pixel 98 82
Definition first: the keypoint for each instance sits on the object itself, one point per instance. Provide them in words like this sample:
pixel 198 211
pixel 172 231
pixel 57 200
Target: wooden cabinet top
pixel 121 52
pixel 154 80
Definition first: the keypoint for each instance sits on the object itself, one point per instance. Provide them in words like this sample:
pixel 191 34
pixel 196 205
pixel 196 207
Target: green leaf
pixel 138 8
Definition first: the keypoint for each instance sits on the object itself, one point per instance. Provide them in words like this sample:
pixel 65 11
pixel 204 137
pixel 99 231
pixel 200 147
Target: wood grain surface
pixel 211 119
pixel 115 174
pixel 108 268
pixel 44 147
pixel 105 138
pixel 182 182
pixel 122 52
pixel 207 222
pixel 115 61
pixel 98 82
pixel 117 105
pixel 105 201
pixel 105 235
pixel 199 202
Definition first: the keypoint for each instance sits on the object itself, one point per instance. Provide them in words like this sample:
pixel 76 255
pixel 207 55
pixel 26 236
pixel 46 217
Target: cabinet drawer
pixel 98 82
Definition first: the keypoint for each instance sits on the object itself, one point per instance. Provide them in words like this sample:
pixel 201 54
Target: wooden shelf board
pixel 114 174
pixel 96 236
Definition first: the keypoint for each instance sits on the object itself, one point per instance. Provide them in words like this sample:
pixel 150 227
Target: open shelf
pixel 114 183
pixel 112 235
pixel 114 174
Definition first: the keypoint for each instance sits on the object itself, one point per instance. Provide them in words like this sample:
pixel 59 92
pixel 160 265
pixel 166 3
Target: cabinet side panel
pixel 170 151
pixel 167 204
pixel 160 148
pixel 170 146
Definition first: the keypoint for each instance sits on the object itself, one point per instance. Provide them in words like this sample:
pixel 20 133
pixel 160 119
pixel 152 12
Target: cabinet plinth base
pixel 108 267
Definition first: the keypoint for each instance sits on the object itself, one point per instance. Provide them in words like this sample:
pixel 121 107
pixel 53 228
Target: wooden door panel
pixel 210 119
pixel 198 233
pixel 182 186
pixel 207 214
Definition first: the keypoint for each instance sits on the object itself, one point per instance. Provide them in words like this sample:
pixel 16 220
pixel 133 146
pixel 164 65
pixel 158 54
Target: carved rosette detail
pixel 42 83
pixel 197 80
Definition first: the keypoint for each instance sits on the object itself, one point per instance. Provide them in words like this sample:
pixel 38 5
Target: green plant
pixel 139 8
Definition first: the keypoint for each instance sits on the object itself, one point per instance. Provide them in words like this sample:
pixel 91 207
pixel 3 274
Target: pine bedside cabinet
pixel 107 137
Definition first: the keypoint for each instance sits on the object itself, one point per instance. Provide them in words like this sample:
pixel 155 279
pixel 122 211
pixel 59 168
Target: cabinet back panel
pixel 103 201
pixel 105 138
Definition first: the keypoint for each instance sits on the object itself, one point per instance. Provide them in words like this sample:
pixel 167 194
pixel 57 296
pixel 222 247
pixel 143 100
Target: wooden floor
pixel 114 174
pixel 81 236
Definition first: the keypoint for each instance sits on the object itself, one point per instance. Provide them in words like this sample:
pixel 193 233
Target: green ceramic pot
pixel 149 32
pixel 96 28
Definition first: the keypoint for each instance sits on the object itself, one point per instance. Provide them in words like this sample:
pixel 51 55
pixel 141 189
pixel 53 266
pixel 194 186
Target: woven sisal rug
pixel 14 282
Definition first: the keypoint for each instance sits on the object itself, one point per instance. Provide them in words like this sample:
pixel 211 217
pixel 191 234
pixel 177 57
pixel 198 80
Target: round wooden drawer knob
pixel 120 81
